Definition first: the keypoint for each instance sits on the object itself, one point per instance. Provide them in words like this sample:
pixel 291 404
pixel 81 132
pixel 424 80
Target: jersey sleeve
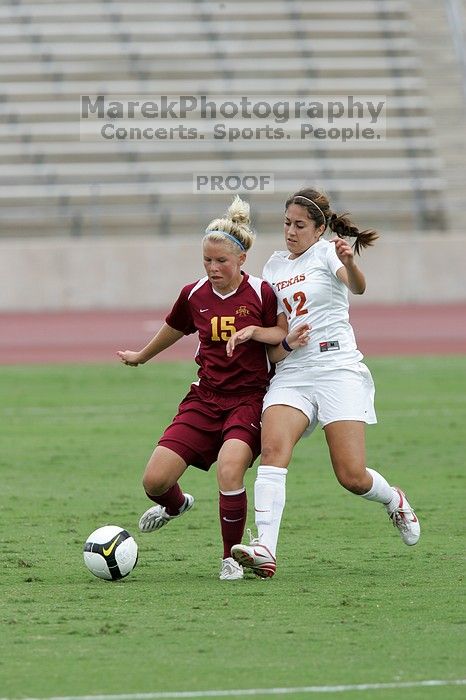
pixel 333 260
pixel 266 272
pixel 269 306
pixel 267 276
pixel 180 317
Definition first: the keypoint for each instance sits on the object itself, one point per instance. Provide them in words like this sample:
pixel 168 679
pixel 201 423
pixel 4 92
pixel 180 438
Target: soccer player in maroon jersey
pixel 219 419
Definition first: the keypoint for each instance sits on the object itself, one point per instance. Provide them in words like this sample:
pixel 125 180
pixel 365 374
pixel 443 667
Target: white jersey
pixel 309 291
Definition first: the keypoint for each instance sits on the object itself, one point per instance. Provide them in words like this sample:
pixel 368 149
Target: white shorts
pixel 343 393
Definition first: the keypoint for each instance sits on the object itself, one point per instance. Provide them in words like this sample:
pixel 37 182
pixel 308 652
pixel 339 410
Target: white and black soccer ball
pixel 110 552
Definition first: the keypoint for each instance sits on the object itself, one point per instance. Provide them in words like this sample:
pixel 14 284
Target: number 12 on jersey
pixel 300 299
pixel 223 327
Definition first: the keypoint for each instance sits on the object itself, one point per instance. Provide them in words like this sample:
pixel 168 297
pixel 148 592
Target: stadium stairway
pixel 446 86
pixel 52 182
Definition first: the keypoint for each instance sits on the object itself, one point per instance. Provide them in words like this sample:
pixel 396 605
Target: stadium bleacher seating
pixel 53 183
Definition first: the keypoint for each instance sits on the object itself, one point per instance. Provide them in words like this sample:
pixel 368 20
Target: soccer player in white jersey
pixel 323 382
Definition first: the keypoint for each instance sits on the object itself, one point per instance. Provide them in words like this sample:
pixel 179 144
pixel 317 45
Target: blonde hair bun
pixel 236 223
pixel 238 211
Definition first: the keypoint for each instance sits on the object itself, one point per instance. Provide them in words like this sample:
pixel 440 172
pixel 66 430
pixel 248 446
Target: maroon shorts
pixel 205 420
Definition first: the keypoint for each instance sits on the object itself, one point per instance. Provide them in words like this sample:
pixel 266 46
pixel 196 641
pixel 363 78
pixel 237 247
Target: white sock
pixel 380 491
pixel 269 502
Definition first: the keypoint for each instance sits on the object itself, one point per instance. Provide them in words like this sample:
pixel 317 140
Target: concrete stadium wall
pixel 57 274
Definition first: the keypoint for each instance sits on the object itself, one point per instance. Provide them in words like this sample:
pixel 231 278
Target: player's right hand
pixel 239 337
pixel 129 357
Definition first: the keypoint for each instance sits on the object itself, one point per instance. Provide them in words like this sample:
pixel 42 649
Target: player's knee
pixel 230 476
pixel 352 481
pixel 274 452
pixel 153 483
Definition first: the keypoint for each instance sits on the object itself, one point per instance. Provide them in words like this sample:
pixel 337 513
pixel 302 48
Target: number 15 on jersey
pixel 223 327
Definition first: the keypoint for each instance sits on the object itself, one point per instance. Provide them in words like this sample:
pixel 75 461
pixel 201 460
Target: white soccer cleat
pixel 230 570
pixel 255 556
pixel 403 517
pixel 157 516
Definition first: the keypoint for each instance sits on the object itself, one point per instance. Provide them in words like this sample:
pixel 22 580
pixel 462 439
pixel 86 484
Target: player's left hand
pixel 344 251
pixel 299 337
pixel 239 337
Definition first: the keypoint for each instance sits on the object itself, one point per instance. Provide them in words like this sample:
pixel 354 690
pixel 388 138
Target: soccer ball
pixel 110 552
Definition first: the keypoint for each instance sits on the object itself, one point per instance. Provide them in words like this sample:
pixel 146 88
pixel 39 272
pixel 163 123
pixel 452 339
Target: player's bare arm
pixel 297 338
pixel 162 340
pixel 269 336
pixel 349 274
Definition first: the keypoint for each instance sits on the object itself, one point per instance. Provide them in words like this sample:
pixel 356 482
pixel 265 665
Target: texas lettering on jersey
pixel 309 291
pixel 287 283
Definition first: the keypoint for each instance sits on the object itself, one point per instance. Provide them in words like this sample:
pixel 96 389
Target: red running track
pixel 95 336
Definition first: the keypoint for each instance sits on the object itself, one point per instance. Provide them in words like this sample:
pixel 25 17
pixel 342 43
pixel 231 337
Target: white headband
pixel 300 196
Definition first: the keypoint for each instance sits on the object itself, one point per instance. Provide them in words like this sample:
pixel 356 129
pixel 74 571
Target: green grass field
pixel 349 604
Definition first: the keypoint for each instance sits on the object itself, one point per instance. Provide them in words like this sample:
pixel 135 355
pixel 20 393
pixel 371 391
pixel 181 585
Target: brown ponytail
pixel 318 209
pixel 344 228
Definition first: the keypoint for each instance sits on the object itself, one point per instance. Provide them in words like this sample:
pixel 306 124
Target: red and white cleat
pixel 255 556
pixel 403 517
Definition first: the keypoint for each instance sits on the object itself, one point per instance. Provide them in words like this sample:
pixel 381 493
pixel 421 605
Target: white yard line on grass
pixel 245 692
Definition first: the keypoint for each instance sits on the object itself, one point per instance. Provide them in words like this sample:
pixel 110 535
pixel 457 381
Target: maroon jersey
pixel 199 308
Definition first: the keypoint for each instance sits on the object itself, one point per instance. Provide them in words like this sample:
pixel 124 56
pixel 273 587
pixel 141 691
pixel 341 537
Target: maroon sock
pixel 233 511
pixel 173 499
